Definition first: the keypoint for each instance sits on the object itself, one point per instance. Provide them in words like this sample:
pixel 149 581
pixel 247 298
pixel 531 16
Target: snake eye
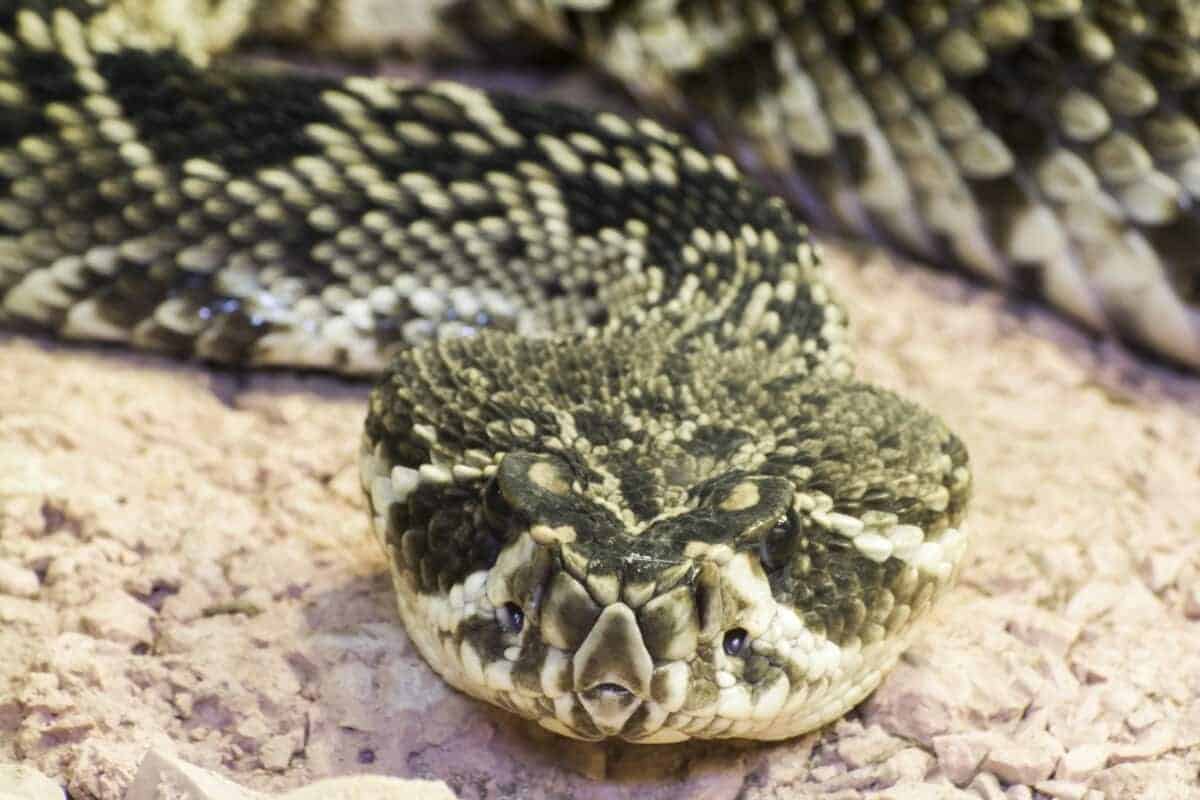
pixel 511 617
pixel 735 641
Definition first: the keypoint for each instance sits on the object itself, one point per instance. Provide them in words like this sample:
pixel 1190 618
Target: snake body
pixel 1051 147
pixel 625 479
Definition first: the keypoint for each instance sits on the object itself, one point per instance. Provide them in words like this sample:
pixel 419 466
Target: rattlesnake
pixel 626 482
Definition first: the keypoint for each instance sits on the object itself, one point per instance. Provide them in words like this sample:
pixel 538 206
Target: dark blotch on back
pixel 48 78
pixel 242 121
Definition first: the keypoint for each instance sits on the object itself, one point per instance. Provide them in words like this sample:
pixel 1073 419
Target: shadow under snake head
pixel 757 596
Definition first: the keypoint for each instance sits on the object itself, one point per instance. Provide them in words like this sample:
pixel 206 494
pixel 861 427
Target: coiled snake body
pixel 625 480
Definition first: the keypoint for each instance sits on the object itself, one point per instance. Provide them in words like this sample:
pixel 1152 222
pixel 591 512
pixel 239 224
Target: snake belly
pixel 625 479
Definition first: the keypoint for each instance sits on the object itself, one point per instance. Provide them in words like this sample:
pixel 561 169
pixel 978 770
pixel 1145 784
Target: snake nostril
pixel 612 689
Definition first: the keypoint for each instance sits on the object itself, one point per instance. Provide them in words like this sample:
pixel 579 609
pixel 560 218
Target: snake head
pixel 762 599
pixel 598 631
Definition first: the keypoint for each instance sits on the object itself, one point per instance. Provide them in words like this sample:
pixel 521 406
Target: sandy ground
pixel 185 566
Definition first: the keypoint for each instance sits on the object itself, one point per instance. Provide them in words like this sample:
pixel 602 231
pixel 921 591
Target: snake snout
pixel 613 669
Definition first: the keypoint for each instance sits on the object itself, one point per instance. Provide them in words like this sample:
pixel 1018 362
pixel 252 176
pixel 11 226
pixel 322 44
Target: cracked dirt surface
pixel 184 565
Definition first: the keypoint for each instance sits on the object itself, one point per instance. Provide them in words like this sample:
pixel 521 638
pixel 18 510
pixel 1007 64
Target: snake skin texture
pixel 1048 146
pixel 625 480
pixel 1051 147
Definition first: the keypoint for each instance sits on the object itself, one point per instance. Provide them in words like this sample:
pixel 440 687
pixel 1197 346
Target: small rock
pixel 253 726
pixel 18 581
pixel 372 787
pixel 1027 760
pixel 922 791
pixel 987 787
pixel 826 772
pixel 870 746
pixel 1136 602
pixel 1146 780
pixel 1053 633
pixel 1019 792
pixel 1065 790
pixel 42 691
pixel 1092 600
pixel 1081 761
pixel 256 597
pixel 909 765
pixel 1122 700
pixel 792 764
pixel 23 472
pixel 117 617
pixel 1036 721
pixel 1155 741
pixel 1161 569
pixel 1082 722
pixel 960 754
pixel 939 688
pixel 1143 718
pixel 185 702
pixel 159 770
pixel 19 782
pixel 275 754
pixel 26 613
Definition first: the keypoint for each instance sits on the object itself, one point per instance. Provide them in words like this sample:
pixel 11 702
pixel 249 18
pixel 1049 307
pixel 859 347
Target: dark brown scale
pixel 241 120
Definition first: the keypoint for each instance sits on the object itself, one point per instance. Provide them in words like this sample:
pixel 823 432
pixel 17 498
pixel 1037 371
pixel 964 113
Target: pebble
pixel 119 618
pixel 987 787
pixel 922 791
pixel 1160 779
pixel 276 753
pixel 824 773
pixel 1152 743
pixel 1143 718
pixel 872 746
pixel 907 766
pixel 21 782
pixel 1063 790
pixel 960 754
pixel 158 769
pixel 1092 600
pixel 1019 792
pixel 1027 760
pixel 18 581
pixel 1052 633
pixel 1161 569
pixel 372 787
pixel 1082 760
